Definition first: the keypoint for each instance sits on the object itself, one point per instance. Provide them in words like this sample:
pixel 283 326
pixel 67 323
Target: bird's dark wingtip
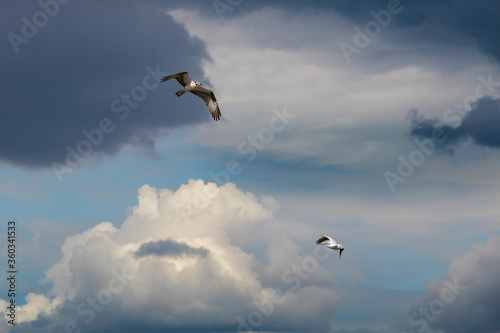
pixel 321 239
pixel 216 115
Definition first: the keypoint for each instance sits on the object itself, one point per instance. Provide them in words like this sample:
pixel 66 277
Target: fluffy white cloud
pixel 209 287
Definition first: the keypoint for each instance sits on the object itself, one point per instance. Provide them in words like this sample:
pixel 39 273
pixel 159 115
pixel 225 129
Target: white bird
pixel 195 88
pixel 330 243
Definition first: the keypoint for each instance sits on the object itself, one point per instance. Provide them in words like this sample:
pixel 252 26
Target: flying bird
pixel 195 88
pixel 330 243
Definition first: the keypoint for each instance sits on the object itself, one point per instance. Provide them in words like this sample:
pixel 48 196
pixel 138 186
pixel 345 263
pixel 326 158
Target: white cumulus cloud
pixel 221 286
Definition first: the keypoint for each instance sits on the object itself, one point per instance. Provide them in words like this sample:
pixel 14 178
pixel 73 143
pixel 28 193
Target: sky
pixel 373 122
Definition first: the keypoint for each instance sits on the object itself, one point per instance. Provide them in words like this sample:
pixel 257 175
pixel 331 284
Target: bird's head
pixel 198 84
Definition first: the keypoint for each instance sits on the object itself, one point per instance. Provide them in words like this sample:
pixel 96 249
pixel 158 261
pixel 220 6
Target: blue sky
pixel 374 122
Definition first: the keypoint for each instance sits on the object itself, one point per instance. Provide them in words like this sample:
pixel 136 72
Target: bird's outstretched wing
pixel 210 100
pixel 182 78
pixel 325 238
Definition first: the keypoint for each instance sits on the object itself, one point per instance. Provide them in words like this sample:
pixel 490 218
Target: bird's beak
pixel 340 253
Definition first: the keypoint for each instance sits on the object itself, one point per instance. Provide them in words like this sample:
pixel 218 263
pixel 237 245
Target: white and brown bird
pixel 195 88
pixel 330 243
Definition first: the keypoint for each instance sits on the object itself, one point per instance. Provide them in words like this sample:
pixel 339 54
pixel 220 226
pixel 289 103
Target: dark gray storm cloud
pixel 452 22
pixel 76 71
pixel 467 299
pixel 481 124
pixel 169 248
pixel 80 78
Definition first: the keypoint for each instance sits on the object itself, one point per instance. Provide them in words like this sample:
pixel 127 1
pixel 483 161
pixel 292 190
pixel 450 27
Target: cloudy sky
pixel 374 122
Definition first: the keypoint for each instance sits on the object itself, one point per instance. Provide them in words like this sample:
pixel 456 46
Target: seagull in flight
pixel 330 243
pixel 195 88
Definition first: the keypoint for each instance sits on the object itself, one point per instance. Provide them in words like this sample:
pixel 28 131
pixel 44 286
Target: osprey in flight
pixel 195 88
pixel 330 243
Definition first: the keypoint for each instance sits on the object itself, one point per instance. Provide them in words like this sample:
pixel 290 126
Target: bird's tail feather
pixel 180 92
